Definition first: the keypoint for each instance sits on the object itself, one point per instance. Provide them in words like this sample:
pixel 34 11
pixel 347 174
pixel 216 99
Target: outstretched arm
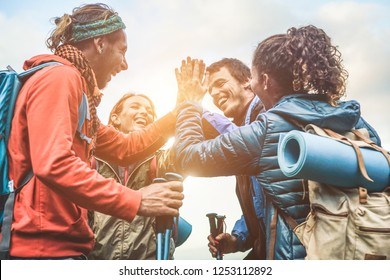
pixel 233 153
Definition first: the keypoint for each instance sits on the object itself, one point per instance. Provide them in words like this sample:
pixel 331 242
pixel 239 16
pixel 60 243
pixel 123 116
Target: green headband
pixel 84 31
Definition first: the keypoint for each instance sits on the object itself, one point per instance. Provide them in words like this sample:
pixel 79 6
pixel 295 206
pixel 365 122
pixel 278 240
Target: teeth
pixel 140 121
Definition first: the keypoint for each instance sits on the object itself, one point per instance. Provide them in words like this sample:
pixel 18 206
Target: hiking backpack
pixel 344 222
pixel 11 83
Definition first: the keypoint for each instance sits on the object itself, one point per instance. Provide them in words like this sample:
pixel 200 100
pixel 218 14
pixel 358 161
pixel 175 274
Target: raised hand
pixel 160 199
pixel 191 80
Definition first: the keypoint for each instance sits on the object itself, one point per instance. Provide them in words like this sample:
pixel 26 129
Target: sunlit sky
pixel 162 33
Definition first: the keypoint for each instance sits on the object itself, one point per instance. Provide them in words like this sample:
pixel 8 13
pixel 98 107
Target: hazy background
pixel 163 32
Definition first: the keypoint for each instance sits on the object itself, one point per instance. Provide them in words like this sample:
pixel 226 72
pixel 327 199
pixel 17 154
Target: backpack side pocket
pixel 370 229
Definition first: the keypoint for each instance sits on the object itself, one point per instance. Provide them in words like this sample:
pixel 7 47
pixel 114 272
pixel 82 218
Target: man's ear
pixel 265 81
pixel 98 43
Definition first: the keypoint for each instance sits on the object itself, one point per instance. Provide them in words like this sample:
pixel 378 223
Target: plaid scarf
pixel 77 58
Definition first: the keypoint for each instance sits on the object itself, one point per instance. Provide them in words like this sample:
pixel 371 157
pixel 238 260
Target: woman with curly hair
pixel 300 78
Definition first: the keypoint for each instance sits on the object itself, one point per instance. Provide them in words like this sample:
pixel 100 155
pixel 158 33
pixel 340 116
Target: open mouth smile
pixel 222 101
pixel 140 121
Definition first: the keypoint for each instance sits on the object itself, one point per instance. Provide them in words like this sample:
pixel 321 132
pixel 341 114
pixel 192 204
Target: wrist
pixel 238 243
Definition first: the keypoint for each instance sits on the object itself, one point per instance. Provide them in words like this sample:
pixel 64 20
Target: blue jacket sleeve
pixel 241 232
pixel 233 153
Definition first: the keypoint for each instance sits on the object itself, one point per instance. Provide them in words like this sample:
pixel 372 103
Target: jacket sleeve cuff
pixel 135 197
pixel 240 241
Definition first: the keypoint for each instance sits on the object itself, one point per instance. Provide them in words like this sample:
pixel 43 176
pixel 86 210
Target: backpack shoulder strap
pixel 8 216
pixel 272 239
pixel 83 113
pixel 23 76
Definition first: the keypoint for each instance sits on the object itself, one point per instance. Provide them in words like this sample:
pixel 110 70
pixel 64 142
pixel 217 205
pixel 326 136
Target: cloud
pixel 362 30
pixel 21 41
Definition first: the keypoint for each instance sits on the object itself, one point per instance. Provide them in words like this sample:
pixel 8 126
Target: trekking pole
pixel 213 226
pixel 220 224
pixel 216 228
pixel 164 224
pixel 170 176
pixel 159 229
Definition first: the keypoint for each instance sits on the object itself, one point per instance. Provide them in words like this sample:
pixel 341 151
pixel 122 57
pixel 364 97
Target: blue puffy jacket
pixel 252 150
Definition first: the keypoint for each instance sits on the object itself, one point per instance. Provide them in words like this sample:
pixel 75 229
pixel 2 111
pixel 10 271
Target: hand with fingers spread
pixel 160 199
pixel 191 80
pixel 225 243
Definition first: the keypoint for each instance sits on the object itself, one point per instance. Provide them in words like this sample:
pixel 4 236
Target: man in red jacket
pixel 50 213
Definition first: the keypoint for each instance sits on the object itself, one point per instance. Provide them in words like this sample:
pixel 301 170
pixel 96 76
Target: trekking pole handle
pixel 159 180
pixel 220 223
pixel 213 226
pixel 171 176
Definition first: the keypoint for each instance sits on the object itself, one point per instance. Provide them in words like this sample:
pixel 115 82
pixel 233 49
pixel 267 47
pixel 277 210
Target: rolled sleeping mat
pixel 307 156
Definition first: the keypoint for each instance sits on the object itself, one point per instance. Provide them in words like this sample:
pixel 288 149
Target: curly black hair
pixel 303 61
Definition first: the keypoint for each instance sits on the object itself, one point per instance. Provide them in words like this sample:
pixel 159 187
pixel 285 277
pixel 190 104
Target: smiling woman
pixel 117 238
pixel 132 112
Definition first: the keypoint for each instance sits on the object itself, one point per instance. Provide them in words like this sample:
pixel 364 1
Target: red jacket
pixel 50 216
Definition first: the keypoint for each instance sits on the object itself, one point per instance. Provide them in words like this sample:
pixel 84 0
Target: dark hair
pixel 303 60
pixel 239 70
pixel 62 34
pixel 118 107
